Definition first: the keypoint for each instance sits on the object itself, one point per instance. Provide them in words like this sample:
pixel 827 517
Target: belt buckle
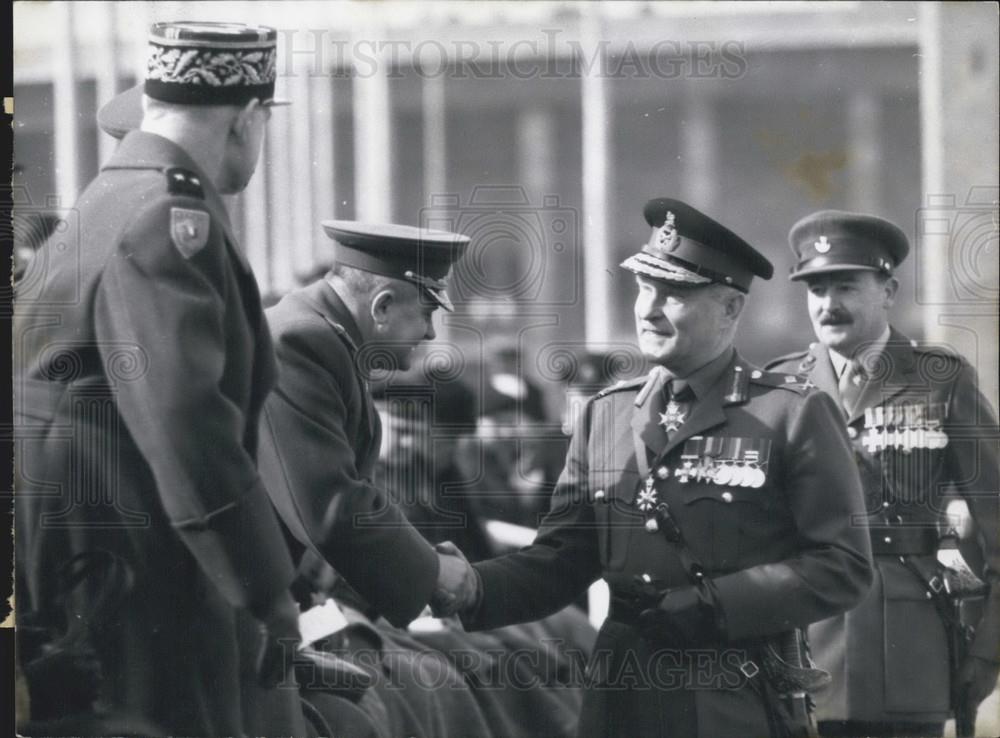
pixel 749 669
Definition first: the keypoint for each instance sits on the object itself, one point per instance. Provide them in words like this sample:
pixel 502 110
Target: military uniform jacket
pixel 876 650
pixel 781 555
pixel 141 362
pixel 320 439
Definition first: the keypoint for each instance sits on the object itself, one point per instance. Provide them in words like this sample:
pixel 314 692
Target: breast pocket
pixel 616 515
pixel 723 525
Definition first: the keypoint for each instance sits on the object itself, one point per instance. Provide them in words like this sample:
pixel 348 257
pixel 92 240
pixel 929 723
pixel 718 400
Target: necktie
pixel 851 381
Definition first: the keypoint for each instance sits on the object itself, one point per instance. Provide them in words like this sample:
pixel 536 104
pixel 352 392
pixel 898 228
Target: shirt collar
pixel 876 347
pixel 339 313
pixel 702 378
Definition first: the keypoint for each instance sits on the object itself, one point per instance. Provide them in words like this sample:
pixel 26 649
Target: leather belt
pixel 897 541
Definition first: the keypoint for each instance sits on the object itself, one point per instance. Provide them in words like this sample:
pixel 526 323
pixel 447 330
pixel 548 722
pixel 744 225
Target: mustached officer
pixel 919 427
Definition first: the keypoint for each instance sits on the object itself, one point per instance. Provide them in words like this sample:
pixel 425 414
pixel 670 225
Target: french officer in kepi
pixel 143 360
pixel 919 427
pixel 715 499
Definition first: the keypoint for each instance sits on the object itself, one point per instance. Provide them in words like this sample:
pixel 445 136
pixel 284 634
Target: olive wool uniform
pixel 889 656
pixel 776 545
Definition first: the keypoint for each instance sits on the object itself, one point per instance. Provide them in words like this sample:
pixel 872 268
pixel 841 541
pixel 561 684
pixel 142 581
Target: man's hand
pixel 685 617
pixel 280 640
pixel 978 678
pixel 458 584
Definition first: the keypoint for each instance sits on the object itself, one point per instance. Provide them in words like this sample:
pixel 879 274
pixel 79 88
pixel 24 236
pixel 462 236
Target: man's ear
pixel 243 119
pixel 381 304
pixel 734 304
pixel 891 286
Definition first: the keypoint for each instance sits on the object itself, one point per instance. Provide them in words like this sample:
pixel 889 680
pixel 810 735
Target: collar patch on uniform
pixel 189 230
pixel 181 181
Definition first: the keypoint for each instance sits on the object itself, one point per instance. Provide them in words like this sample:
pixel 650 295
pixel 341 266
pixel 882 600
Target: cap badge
pixel 667 235
pixel 822 245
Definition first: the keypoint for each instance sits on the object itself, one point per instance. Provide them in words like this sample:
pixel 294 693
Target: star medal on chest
pixel 673 418
pixel 646 498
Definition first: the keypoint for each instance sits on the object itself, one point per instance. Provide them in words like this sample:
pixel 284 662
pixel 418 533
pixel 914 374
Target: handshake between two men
pixel 679 617
pixel 458 589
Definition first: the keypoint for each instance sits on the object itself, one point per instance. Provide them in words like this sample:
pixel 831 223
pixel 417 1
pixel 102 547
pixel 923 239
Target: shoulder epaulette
pixel 794 382
pixel 182 181
pixel 623 384
pixel 937 350
pixel 793 356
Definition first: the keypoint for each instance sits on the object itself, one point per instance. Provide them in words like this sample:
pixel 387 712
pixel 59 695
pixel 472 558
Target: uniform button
pixel 727 496
pixel 652 526
pixel 885 504
pixel 663 472
pixel 599 494
pixel 646 578
pixel 852 432
pixel 887 539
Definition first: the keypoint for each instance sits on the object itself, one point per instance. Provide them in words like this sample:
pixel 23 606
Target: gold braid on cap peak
pixel 650 266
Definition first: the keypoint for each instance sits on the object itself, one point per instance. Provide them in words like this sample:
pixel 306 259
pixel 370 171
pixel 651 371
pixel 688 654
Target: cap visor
pixel 828 268
pixel 123 113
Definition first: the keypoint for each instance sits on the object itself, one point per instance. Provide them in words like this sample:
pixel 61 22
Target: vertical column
pixel 322 140
pixel 536 143
pixel 280 199
pixel 433 115
pixel 863 128
pixel 594 249
pixel 64 103
pixel 254 237
pixel 536 152
pixel 698 149
pixel 956 225
pixel 303 161
pixel 108 53
pixel 373 184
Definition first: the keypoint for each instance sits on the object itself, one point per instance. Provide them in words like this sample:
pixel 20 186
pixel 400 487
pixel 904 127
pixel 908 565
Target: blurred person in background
pixel 522 676
pixel 920 428
pixel 519 456
pixel 426 429
pixel 140 605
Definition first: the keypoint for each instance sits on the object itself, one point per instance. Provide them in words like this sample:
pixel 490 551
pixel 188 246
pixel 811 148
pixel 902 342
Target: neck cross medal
pixel 673 418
